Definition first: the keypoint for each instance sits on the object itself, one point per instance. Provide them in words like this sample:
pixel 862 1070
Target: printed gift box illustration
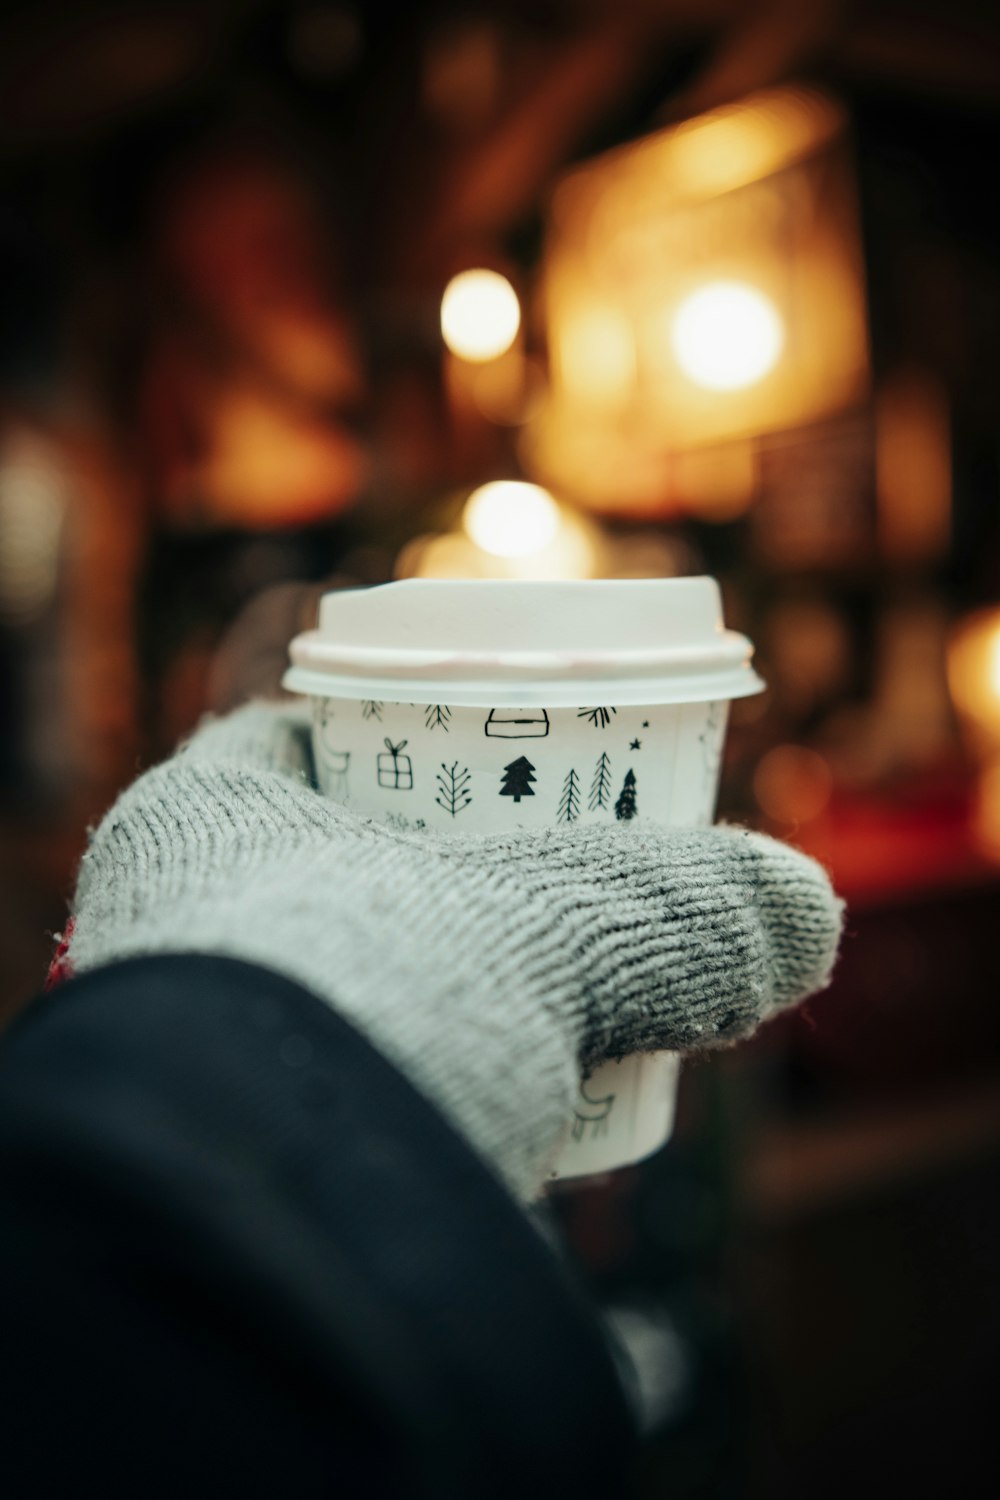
pixel 394 768
pixel 484 706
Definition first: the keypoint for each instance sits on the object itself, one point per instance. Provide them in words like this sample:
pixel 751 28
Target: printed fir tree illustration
pixel 600 787
pixel 371 708
pixel 517 779
pixel 453 788
pixel 625 807
pixel 437 715
pixel 569 803
pixel 599 717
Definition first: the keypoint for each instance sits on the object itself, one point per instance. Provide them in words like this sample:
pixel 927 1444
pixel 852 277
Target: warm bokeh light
pixel 986 811
pixel 596 354
pixel 32 515
pixel 448 555
pixel 480 315
pixel 974 674
pixel 793 784
pixel 266 463
pixel 740 143
pixel 509 518
pixel 701 288
pixel 572 551
pixel 717 483
pixel 506 391
pixel 727 335
pixel 913 466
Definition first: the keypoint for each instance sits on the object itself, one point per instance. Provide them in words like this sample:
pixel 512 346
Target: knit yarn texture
pixel 489 969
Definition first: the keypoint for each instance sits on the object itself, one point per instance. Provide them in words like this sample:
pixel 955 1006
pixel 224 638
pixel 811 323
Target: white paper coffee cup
pixel 486 705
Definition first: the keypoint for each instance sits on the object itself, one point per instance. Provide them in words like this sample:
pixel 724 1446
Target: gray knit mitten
pixel 488 968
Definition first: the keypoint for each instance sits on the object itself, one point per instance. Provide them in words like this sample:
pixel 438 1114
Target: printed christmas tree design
pixel 517 778
pixel 599 717
pixel 437 714
pixel 453 788
pixel 370 709
pixel 600 787
pixel 625 807
pixel 569 802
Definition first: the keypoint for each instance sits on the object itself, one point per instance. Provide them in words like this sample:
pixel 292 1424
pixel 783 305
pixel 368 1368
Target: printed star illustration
pixel 645 723
pixel 635 744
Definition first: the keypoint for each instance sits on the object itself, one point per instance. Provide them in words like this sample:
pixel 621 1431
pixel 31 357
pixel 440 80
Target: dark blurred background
pixel 743 317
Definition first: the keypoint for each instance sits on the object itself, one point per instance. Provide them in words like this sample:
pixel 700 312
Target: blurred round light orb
pixel 480 315
pixel 727 336
pixel 510 518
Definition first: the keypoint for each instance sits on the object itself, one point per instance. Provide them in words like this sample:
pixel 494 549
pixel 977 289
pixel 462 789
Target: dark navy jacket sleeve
pixel 240 1254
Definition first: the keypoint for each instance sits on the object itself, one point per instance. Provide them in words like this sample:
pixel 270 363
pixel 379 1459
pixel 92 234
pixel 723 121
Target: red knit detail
pixel 60 969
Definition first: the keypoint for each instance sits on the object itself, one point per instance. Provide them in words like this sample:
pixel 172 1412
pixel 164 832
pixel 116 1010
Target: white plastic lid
pixel 499 643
